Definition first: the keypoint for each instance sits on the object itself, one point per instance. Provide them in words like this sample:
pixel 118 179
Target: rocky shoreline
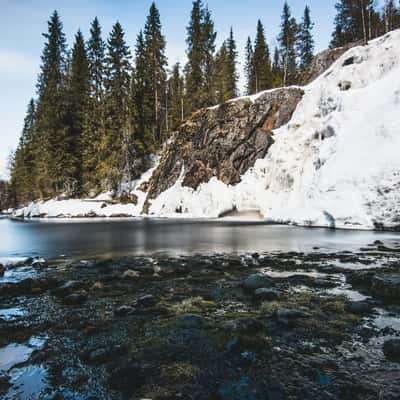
pixel 230 327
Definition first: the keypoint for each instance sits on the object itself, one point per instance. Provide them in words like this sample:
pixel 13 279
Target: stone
pixel 68 287
pixel 266 294
pixel 75 299
pixel 123 310
pixel 285 315
pixel 386 286
pixel 348 61
pixel 146 301
pixel 257 281
pixel 2 269
pixel 127 376
pixel 391 349
pixel 97 286
pixel 359 307
pixel 39 263
pixel 244 325
pixel 344 85
pixel 223 142
pixel 130 274
pixel 190 321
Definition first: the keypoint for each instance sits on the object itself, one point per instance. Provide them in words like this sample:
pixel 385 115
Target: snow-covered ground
pixel 335 164
pixel 98 206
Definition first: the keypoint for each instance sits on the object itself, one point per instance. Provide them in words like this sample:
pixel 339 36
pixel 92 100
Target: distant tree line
pixel 101 109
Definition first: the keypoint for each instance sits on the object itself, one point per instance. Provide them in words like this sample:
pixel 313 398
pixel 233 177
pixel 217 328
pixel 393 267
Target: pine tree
pixel 305 41
pixel 287 41
pixel 156 64
pixel 51 146
pixel 115 148
pixel 261 63
pixel 95 119
pixel 78 102
pixel 248 66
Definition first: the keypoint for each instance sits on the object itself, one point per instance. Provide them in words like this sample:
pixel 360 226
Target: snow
pixel 89 207
pixel 335 164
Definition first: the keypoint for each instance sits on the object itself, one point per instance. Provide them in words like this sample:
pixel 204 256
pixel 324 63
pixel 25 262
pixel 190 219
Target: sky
pixel 22 23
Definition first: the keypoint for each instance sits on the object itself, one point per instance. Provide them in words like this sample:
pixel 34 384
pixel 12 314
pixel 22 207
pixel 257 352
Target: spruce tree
pixel 232 76
pixel 352 22
pixel 193 70
pixel 140 95
pixel 208 45
pixel 175 97
pixel 261 63
pixel 277 72
pixel 221 91
pixel 305 41
pixel 95 119
pixel 51 147
pixel 116 144
pixel 78 102
pixel 287 41
pixel 23 164
pixel 248 67
pixel 156 62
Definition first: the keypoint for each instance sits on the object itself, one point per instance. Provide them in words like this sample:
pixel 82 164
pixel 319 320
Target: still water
pixel 84 238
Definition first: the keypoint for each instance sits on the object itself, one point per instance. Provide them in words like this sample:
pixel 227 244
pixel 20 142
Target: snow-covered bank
pixel 100 206
pixel 335 164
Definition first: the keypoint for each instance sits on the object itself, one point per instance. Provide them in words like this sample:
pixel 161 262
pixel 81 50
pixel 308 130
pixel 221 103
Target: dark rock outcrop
pixel 325 59
pixel 223 141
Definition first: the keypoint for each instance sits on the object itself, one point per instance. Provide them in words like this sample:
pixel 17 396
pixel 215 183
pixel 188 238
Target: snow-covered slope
pixel 336 163
pixel 97 207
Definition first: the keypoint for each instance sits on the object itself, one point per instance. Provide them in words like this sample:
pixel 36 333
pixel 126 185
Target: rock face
pixel 223 141
pixel 324 60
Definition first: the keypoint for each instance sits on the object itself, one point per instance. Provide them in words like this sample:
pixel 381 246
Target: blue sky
pixel 23 21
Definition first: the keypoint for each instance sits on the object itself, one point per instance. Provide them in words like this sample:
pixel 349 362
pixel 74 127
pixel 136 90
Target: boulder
pixel 286 315
pixel 244 325
pixel 359 307
pixel 257 281
pixel 391 349
pixel 39 263
pixel 344 85
pixel 2 269
pixel 266 294
pixel 387 287
pixel 130 274
pixel 190 321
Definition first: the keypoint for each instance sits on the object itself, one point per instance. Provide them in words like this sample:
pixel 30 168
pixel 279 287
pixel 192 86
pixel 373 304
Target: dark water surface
pixel 79 238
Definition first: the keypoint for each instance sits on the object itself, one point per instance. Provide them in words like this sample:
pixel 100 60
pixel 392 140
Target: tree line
pixel 102 109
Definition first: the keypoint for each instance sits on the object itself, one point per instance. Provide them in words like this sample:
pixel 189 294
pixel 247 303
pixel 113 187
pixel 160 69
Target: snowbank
pixel 335 164
pixel 97 207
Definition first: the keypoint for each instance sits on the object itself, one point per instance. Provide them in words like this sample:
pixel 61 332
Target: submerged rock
pixel 257 281
pixel 244 325
pixel 391 349
pixel 190 321
pixel 387 286
pixel 266 294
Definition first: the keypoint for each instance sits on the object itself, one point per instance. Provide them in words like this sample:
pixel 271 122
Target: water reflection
pixel 98 237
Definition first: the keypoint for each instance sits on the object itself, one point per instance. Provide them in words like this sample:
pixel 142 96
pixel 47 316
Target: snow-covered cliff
pixel 336 163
